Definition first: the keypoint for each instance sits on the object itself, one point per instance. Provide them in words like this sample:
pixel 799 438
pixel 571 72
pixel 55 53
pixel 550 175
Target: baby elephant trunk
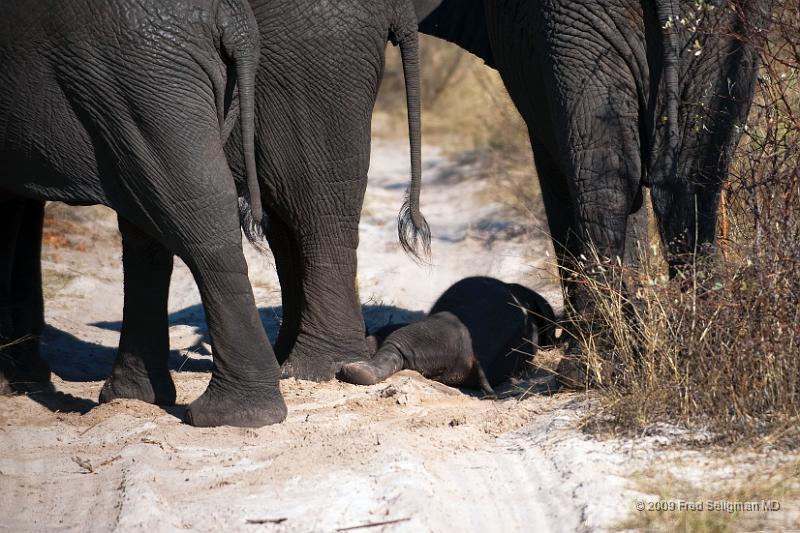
pixel 240 43
pixel 412 227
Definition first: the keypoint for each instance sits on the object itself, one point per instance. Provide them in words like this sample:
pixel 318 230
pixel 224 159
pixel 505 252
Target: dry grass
pixel 717 348
pixel 710 505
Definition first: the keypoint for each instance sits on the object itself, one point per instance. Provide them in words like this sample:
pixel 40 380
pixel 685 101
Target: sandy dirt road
pixel 409 454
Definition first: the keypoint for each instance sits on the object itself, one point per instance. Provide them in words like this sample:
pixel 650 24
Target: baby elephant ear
pixel 539 311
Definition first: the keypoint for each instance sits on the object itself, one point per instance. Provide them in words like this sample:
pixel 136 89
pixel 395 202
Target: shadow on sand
pixel 74 359
pixel 78 360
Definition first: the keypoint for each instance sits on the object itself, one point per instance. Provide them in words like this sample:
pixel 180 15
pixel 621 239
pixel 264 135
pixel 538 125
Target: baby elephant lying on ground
pixel 479 333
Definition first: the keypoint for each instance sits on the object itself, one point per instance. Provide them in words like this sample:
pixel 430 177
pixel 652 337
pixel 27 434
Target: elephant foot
pixel 322 365
pixel 359 373
pixel 309 369
pixel 22 369
pixel 245 408
pixel 576 372
pixel 134 382
pixel 573 372
pixel 5 387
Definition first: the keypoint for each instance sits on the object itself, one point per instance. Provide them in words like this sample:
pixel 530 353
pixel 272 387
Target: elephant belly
pixel 46 152
pixel 559 60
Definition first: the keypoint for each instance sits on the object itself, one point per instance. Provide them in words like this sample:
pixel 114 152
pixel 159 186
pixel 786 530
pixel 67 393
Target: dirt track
pixel 411 452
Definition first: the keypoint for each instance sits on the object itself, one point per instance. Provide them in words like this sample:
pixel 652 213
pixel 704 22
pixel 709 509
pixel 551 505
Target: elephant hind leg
pixel 140 371
pixel 598 171
pixel 288 263
pixel 591 184
pixel 331 329
pixel 244 388
pixel 323 324
pixel 21 301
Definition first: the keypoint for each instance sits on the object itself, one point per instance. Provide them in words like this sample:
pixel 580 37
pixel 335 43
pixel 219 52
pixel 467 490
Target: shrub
pixel 718 347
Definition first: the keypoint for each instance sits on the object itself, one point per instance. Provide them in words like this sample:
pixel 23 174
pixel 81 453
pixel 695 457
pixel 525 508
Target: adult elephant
pixel 128 103
pixel 144 148
pixel 319 73
pixel 618 95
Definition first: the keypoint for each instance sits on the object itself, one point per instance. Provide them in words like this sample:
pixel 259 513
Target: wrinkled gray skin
pixel 479 333
pixel 320 69
pixel 615 98
pixel 127 103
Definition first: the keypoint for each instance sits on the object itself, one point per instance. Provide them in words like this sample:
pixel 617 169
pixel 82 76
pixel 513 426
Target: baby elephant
pixel 478 334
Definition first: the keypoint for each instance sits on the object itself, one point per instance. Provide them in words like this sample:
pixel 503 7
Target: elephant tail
pixel 412 227
pixel 240 43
